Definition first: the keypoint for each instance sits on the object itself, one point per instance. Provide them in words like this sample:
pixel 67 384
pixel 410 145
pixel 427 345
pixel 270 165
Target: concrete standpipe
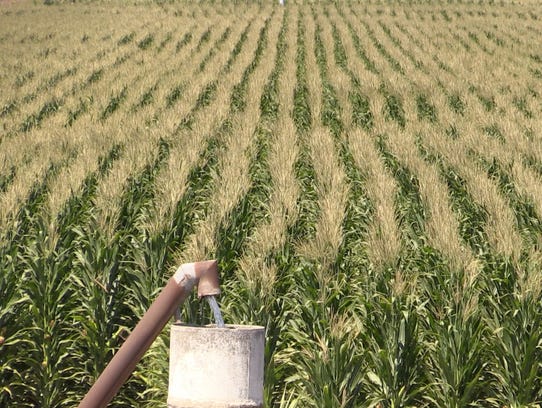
pixel 212 367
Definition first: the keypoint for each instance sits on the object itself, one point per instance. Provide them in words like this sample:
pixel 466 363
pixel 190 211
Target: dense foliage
pixel 368 175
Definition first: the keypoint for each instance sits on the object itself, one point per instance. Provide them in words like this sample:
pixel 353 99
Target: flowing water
pixel 216 311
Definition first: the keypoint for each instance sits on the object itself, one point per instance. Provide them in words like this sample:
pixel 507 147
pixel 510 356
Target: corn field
pixel 368 175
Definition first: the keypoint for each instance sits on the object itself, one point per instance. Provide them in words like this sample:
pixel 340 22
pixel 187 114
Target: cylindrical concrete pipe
pixel 216 367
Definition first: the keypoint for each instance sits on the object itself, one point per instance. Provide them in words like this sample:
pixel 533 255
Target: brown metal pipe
pixel 151 324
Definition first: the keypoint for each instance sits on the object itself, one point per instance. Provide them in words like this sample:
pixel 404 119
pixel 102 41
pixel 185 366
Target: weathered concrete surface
pixel 216 368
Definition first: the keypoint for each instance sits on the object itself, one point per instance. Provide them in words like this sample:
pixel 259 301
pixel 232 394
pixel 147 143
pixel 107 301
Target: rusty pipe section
pixel 177 289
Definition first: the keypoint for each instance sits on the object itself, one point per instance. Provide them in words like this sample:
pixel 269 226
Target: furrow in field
pixel 273 189
pixel 188 142
pixel 500 225
pixel 350 260
pixel 68 141
pixel 165 124
pixel 443 237
pixel 56 84
pixel 238 224
pixel 493 125
pixel 391 84
pixel 232 180
pixel 77 104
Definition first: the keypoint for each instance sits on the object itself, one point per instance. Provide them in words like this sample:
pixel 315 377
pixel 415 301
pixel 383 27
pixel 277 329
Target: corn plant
pixel 456 103
pixel 331 109
pixel 471 216
pixel 7 178
pixel 7 108
pixel 251 209
pixel 126 39
pixel 48 331
pixel 269 102
pixel 81 109
pixel 147 98
pixel 513 316
pixel 195 201
pixel 11 335
pixel 456 336
pixel 328 365
pixel 418 64
pixel 410 210
pixel 164 42
pixel 114 102
pixel 171 98
pixel 205 37
pixel 394 376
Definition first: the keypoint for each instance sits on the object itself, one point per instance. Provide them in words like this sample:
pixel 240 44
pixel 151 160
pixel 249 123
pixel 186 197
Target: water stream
pixel 216 311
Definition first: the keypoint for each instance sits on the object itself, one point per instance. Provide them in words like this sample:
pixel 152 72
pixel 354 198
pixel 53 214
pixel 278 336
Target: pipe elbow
pixel 207 272
pixel 204 274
